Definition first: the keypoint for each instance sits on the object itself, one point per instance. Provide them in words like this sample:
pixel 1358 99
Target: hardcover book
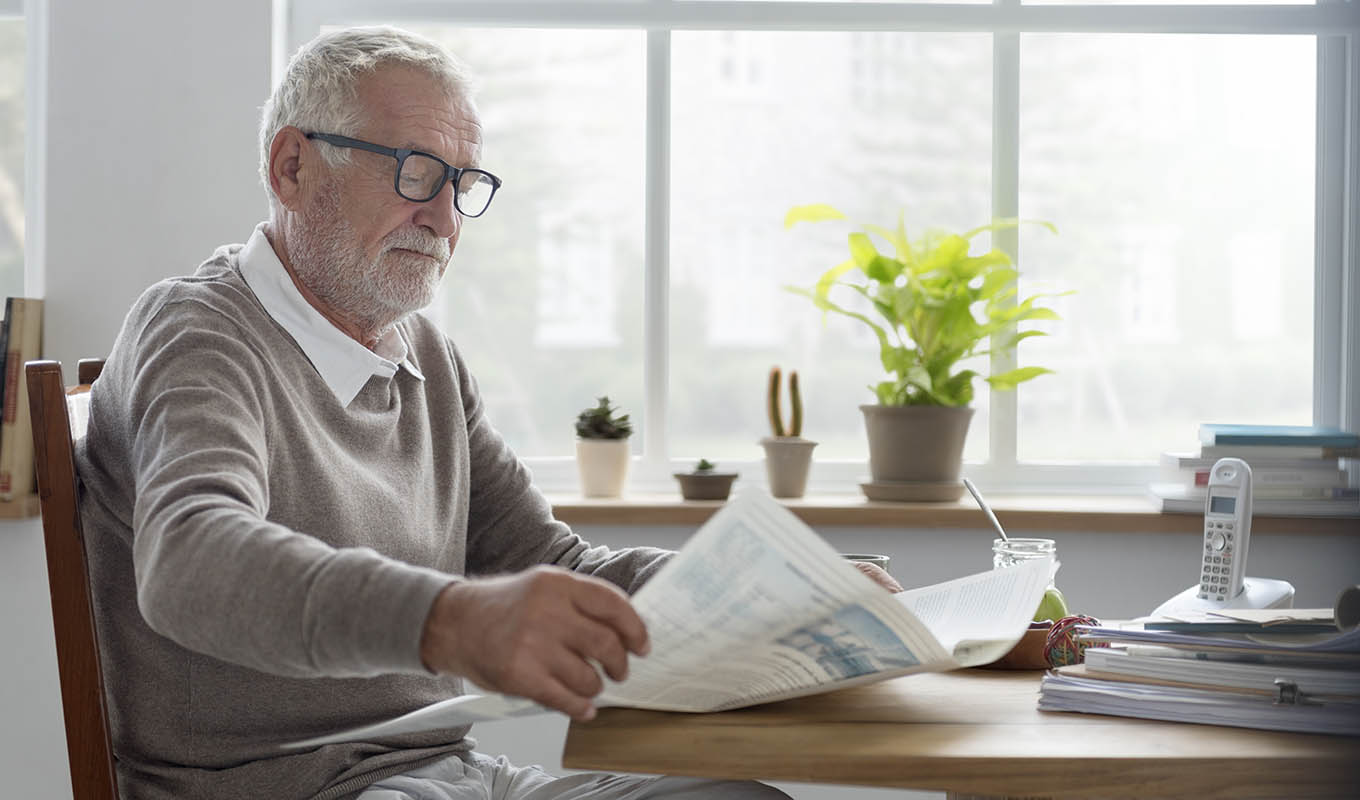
pixel 1286 435
pixel 1177 497
pixel 16 428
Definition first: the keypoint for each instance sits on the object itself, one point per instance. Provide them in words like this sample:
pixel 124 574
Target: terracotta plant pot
pixel 915 452
pixel 787 462
pixel 705 485
pixel 602 465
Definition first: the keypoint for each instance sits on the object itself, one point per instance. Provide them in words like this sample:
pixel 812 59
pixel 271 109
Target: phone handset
pixel 1227 530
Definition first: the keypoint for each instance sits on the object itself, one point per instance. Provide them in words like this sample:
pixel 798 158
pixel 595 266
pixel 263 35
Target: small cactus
pixel 774 409
pixel 599 422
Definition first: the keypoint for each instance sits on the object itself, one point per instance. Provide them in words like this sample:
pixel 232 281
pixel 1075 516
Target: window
pixel 650 149
pixel 12 121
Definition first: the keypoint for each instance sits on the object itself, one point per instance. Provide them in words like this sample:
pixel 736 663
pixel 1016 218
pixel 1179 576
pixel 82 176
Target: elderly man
pixel 292 484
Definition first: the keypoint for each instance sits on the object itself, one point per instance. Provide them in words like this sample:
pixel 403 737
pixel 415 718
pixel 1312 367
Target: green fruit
pixel 1052 606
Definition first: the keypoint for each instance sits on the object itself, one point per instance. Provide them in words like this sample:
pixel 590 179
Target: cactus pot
pixel 915 452
pixel 705 485
pixel 787 462
pixel 603 466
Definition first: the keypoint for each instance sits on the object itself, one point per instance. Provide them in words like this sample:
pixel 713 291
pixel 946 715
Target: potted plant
pixel 705 482
pixel 937 305
pixel 602 449
pixel 788 455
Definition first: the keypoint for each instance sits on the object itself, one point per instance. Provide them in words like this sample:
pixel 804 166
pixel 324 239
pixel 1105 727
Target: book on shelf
pixel 1194 471
pixel 1279 681
pixel 4 355
pixel 756 607
pixel 1329 486
pixel 1250 452
pixel 1179 498
pixel 1175 461
pixel 23 318
pixel 1220 435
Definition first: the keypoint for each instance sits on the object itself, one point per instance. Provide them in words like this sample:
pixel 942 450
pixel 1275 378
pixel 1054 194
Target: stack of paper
pixel 1241 673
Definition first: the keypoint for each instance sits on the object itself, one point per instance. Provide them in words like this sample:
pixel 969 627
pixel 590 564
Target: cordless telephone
pixel 1227 530
pixel 1223 552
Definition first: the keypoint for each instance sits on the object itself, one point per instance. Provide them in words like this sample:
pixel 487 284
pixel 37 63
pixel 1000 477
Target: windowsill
pixel 1095 514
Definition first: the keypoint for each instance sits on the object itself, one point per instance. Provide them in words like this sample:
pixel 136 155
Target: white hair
pixel 320 88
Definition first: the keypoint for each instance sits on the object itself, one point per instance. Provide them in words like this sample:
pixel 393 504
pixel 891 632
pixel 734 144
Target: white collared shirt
pixel 343 363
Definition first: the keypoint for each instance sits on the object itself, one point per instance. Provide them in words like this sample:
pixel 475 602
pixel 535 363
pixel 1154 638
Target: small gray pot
pixel 705 485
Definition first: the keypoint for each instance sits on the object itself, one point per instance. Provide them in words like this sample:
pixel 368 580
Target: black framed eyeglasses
pixel 420 176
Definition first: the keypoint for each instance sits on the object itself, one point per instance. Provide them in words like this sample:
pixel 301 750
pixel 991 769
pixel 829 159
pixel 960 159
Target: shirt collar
pixel 344 364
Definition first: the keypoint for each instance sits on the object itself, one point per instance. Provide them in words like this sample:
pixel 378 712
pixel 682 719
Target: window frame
pixel 1336 334
pixel 34 15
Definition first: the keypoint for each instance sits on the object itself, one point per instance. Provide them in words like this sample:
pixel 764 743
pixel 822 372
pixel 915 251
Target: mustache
pixel 420 241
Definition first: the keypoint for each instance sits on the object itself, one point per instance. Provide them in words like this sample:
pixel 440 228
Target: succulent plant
pixel 600 422
pixel 705 465
pixel 776 413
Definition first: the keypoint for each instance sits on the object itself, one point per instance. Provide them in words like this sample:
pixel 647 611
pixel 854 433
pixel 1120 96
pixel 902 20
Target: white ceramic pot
pixel 787 461
pixel 603 466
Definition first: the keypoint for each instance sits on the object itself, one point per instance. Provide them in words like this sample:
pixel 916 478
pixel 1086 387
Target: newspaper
pixel 757 607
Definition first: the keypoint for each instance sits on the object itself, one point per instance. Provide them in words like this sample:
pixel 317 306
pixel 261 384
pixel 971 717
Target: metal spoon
pixel 986 509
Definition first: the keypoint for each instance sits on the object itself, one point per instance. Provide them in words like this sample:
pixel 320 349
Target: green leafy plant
pixel 939 305
pixel 772 405
pixel 705 465
pixel 600 422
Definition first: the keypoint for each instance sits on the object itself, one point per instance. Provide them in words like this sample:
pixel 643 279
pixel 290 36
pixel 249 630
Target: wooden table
pixel 967 732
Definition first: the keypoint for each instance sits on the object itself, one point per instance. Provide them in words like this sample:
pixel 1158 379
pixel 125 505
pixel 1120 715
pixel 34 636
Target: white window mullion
pixel 656 285
pixel 1336 293
pixel 1330 219
pixel 1005 204
pixel 36 59
pixel 1349 417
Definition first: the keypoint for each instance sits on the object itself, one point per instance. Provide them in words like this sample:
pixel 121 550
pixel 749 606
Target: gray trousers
pixel 473 776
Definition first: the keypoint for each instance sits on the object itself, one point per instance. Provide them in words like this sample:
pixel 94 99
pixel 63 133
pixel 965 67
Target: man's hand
pixel 536 634
pixel 879 576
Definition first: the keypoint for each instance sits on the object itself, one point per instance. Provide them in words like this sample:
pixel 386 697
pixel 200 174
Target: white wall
pixel 151 164
pixel 152 108
pixel 152 112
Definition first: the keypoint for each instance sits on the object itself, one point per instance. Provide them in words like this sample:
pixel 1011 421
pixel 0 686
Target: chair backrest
pixel 88 744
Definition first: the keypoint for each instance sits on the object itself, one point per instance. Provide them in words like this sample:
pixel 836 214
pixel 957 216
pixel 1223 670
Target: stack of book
pixel 20 342
pixel 1238 674
pixel 1296 470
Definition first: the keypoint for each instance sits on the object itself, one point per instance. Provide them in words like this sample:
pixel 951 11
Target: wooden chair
pixel 88 745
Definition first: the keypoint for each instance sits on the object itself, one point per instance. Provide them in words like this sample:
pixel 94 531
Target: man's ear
pixel 291 155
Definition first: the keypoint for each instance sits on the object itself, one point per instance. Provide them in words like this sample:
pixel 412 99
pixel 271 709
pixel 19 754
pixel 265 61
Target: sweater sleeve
pixel 213 573
pixel 510 523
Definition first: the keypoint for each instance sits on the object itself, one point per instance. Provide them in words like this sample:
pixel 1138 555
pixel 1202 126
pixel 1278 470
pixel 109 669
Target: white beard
pixel 376 295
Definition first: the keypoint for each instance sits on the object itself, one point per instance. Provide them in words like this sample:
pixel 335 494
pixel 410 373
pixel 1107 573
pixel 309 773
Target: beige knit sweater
pixel 264 559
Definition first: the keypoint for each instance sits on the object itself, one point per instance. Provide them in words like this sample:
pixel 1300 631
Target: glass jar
pixel 1009 552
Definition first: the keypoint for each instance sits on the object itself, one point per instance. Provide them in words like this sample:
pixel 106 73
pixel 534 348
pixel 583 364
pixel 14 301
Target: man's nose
pixel 440 214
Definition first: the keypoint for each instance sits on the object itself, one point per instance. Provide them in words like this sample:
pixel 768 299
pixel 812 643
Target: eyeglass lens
pixel 422 177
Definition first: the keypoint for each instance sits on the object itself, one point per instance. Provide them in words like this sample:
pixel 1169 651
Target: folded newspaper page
pixel 757 607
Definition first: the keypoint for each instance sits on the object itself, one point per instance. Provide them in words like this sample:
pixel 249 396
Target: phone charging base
pixel 1256 593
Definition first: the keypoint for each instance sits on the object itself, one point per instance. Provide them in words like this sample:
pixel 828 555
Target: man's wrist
pixel 437 622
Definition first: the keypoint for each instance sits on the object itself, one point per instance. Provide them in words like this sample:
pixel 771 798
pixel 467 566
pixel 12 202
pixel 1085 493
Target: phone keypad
pixel 1218 554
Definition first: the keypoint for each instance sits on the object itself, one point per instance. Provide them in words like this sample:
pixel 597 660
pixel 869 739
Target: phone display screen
pixel 1218 504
